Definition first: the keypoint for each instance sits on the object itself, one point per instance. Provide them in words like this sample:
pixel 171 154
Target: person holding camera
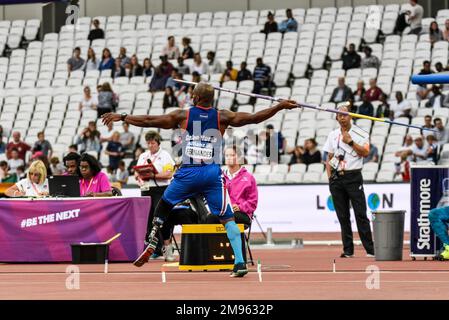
pixel 346 147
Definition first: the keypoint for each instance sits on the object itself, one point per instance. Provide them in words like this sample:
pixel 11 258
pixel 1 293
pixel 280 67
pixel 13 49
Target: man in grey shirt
pixel 415 14
pixel 75 62
pixel 127 138
pixel 442 134
pixel 43 145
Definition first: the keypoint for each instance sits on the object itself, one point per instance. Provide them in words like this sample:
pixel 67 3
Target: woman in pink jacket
pixel 241 187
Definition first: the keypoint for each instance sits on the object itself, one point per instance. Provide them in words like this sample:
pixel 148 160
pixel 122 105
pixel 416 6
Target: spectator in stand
pixel 119 70
pixel 446 30
pixel 442 135
pixel 439 67
pixel 427 124
pixel 437 99
pixel 182 67
pixel 408 145
pixel 422 91
pixel 15 161
pixel 107 100
pixel 56 166
pixel 402 108
pixel 187 99
pixel 166 67
pixel 133 163
pixel 241 185
pixel 171 80
pixel 230 74
pixel 214 66
pixel 75 62
pixel 136 70
pixel 383 109
pixel 92 125
pixel 198 65
pixel 244 73
pixel 432 148
pixel 17 144
pixel 89 101
pixel 373 155
pixel 88 142
pixel 158 81
pixel 187 52
pixel 127 138
pixel 369 61
pixel 351 59
pixel 20 172
pixel 96 32
pixel 93 182
pixel 35 185
pixel 171 50
pixel 196 77
pixel 124 59
pixel 307 155
pixel 147 68
pixel 418 151
pixel 290 24
pixel 415 15
pixel 106 136
pixel 366 108
pixel 357 95
pixel 170 100
pixel 72 164
pixel 278 140
pixel 261 76
pixel 341 93
pixel 114 150
pixel 107 61
pixel 374 92
pixel 72 148
pixel 121 175
pixel 403 168
pixel 270 25
pixel 92 62
pixel 5 175
pixel 43 145
pixel 435 34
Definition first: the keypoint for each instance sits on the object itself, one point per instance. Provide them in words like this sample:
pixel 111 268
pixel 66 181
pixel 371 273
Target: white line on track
pixel 221 272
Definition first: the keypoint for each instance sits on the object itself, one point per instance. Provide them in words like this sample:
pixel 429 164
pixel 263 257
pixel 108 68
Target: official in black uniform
pixel 346 148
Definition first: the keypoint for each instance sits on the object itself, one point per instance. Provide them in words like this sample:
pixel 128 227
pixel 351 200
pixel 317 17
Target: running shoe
pixel 445 254
pixel 239 271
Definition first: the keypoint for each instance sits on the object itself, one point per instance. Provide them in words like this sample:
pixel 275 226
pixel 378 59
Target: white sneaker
pixel 168 253
pixel 370 255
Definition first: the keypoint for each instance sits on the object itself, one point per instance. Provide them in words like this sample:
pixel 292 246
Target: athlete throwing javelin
pixel 203 128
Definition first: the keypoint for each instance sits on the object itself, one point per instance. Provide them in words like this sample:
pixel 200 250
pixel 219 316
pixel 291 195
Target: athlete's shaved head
pixel 203 94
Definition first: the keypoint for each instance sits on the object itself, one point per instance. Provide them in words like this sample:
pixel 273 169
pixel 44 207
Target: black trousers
pixel 156 194
pixel 348 189
pixel 178 217
pixel 240 217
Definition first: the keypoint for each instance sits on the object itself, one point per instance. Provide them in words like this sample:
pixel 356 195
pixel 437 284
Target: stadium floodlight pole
pixel 309 106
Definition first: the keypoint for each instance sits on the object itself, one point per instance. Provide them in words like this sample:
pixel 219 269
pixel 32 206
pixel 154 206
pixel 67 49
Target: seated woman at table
pixel 34 185
pixel 93 182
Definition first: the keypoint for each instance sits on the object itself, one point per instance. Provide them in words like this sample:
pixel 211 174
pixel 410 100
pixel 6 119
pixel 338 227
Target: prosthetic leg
pixel 161 214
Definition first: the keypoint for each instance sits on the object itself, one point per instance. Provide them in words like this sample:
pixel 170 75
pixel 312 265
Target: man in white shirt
pixel 415 17
pixel 346 148
pixel 418 151
pixel 402 107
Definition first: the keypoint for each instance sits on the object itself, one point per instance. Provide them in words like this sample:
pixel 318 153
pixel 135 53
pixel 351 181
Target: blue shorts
pixel 208 180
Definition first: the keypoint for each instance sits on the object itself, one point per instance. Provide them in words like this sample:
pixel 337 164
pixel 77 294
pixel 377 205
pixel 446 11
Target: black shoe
pixel 346 255
pixel 240 270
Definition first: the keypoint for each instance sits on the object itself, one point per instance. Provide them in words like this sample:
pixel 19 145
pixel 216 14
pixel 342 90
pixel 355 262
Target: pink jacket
pixel 242 190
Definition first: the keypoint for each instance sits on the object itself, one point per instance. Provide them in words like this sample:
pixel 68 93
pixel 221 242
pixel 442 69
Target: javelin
pixel 309 106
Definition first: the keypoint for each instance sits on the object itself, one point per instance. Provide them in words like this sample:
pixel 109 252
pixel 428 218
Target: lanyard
pixel 83 192
pixel 35 189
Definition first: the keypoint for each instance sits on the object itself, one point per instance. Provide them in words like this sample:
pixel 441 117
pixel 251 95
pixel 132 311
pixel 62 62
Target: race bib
pixel 199 153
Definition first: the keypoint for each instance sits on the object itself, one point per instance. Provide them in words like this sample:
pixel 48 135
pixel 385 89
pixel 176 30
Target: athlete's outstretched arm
pixel 238 119
pixel 166 121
